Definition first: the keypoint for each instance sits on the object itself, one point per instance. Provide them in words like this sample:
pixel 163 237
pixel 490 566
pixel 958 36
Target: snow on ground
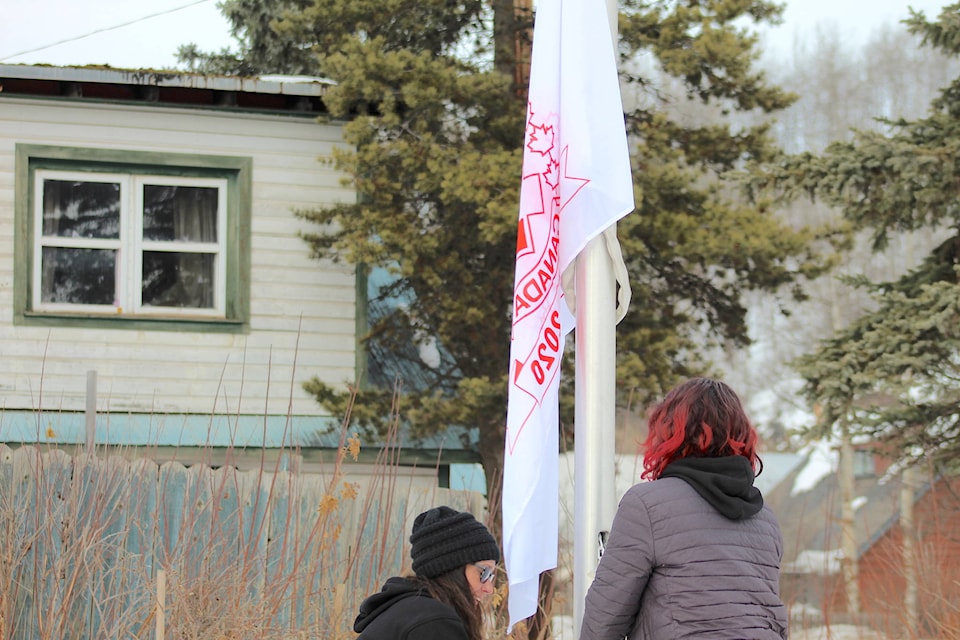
pixel 837 632
pixel 563 630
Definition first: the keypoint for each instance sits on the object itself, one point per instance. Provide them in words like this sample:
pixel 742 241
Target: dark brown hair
pixel 452 589
pixel 699 418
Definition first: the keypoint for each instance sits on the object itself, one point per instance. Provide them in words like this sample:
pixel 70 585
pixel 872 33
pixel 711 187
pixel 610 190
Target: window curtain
pixel 174 213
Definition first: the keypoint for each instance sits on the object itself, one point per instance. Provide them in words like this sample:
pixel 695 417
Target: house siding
pixel 302 312
pixel 882 577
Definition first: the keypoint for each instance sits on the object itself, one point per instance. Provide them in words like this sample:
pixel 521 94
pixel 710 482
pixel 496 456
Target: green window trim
pixel 236 171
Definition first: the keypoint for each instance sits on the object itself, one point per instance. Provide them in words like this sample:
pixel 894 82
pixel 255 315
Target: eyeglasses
pixel 486 572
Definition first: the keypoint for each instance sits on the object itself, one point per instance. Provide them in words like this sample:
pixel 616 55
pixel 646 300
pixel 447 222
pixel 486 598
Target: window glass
pixel 74 209
pixel 181 213
pixel 79 276
pixel 863 463
pixel 184 280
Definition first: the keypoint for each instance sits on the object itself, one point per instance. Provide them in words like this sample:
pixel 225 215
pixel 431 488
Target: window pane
pixel 74 209
pixel 177 213
pixel 78 276
pixel 183 280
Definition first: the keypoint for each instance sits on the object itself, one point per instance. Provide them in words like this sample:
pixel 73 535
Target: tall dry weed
pixel 264 553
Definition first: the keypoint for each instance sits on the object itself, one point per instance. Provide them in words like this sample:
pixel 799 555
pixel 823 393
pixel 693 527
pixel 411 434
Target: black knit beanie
pixel 444 539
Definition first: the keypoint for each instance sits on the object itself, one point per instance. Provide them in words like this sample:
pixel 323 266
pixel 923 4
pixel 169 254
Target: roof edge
pixel 268 84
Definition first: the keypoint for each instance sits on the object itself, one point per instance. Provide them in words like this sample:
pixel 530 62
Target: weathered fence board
pixel 136 587
pixel 278 552
pixel 252 503
pixel 20 512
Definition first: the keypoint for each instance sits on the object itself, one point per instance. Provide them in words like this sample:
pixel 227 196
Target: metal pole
pixel 595 409
pixel 595 415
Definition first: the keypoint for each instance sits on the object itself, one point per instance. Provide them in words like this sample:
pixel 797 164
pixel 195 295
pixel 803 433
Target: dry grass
pixel 87 542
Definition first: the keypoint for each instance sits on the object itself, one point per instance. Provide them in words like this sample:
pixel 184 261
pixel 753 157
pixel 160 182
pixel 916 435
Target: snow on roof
pixel 284 79
pixel 816 562
pixel 276 84
pixel 776 467
pixel 822 460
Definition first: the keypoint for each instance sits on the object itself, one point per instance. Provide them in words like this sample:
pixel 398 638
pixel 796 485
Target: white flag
pixel 576 184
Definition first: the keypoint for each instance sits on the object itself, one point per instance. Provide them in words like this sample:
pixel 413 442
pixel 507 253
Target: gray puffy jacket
pixel 676 567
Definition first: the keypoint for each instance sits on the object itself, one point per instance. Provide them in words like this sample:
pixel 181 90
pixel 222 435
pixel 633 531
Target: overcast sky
pixel 153 29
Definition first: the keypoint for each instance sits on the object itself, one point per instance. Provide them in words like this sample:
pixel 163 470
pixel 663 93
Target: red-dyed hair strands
pixel 700 418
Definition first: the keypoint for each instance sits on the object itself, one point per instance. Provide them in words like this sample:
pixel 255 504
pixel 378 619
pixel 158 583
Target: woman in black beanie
pixel 454 562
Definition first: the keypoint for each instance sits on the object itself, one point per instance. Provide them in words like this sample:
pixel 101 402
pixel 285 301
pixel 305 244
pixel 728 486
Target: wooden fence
pixel 88 542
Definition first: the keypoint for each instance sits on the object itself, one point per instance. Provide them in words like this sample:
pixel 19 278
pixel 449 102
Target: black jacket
pixel 726 483
pixel 401 610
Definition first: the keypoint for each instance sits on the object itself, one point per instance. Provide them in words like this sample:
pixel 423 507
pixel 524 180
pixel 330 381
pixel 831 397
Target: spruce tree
pixel 433 95
pixel 891 375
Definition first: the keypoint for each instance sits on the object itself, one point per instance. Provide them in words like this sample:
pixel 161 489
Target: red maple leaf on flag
pixel 550 174
pixel 541 139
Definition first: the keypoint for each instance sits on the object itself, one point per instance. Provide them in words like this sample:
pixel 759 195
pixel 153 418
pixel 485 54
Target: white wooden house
pixel 148 235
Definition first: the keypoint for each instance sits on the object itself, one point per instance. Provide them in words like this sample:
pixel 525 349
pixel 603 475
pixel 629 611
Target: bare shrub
pixel 87 541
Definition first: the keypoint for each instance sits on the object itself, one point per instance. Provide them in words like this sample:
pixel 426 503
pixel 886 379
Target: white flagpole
pixel 595 412
pixel 594 488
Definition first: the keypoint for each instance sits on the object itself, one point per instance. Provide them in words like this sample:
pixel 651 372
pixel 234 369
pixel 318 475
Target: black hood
pixel 394 590
pixel 726 483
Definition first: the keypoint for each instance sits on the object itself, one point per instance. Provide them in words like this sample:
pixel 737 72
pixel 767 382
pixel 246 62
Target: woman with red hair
pixel 694 553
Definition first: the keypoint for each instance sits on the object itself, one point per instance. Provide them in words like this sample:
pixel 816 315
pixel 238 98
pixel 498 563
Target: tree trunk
pixel 911 613
pixel 490 446
pixel 848 539
pixel 539 626
pixel 512 38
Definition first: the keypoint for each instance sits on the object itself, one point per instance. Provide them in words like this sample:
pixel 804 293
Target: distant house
pixel 936 562
pixel 147 234
pixel 808 504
